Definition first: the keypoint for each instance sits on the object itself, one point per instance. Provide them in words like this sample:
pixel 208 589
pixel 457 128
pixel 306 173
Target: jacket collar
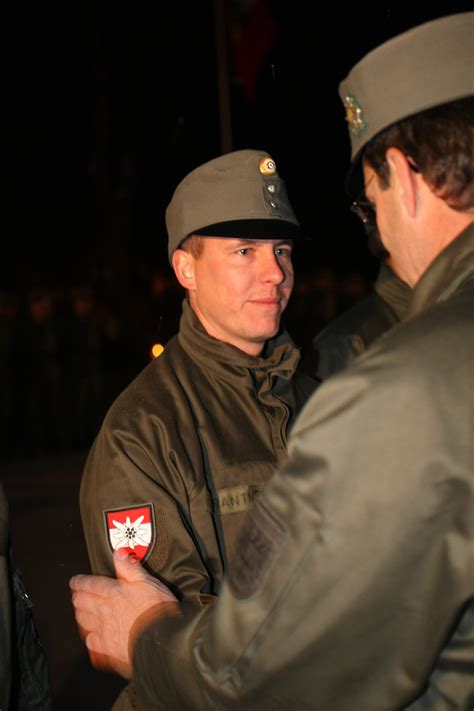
pixel 280 356
pixel 393 291
pixel 451 268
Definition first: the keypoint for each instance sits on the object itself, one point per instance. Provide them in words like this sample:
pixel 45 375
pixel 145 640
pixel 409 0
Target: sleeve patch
pixel 131 528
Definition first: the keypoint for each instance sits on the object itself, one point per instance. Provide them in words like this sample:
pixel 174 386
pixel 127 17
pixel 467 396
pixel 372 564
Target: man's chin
pixel 266 332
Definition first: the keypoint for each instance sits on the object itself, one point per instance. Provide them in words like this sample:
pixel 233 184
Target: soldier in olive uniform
pixel 355 586
pixel 193 440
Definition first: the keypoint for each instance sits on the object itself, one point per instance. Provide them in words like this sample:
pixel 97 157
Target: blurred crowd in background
pixel 67 352
pixel 97 142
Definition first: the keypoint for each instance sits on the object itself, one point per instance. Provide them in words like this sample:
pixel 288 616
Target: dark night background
pixel 104 108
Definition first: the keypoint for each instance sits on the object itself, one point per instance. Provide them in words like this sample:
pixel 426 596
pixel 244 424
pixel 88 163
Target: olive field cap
pixel 427 66
pixel 239 194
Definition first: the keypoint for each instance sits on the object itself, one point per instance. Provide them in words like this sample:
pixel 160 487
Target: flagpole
pixel 223 89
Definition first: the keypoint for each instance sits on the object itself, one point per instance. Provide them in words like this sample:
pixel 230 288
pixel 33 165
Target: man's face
pixel 390 225
pixel 241 288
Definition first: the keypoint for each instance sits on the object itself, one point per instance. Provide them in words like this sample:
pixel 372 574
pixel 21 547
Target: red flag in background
pixel 253 30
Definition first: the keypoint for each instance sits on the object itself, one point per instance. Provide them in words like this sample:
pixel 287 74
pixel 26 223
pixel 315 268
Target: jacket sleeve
pixel 357 565
pixel 451 683
pixel 131 467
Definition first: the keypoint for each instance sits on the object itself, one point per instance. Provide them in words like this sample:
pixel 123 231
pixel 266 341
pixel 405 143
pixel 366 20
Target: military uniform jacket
pixel 24 673
pixel 355 330
pixel 189 444
pixel 356 587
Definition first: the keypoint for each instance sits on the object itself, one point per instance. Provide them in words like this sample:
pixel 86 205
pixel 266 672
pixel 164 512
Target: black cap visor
pixel 252 229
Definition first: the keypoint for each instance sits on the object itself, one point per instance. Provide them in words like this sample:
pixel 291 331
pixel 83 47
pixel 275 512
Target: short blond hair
pixel 194 245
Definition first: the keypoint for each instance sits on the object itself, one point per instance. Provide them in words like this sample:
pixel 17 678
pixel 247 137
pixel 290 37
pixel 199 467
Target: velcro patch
pixel 257 546
pixel 131 528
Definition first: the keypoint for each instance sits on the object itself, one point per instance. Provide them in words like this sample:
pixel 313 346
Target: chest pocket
pixel 251 475
pixel 238 485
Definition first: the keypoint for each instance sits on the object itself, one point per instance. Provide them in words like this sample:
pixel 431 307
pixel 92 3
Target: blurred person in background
pixel 83 346
pixel 8 313
pixel 40 376
pixel 24 673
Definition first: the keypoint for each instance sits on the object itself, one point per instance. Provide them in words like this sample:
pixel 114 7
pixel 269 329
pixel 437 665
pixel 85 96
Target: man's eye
pixel 244 251
pixel 283 252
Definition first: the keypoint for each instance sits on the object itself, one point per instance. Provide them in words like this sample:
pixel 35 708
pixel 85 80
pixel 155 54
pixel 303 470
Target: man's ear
pixel 402 176
pixel 183 265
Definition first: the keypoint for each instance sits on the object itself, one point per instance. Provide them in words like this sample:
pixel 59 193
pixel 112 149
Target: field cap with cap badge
pixel 429 65
pixel 237 195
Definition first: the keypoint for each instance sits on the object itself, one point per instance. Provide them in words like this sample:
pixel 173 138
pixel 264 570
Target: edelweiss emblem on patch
pixel 354 115
pixel 130 533
pixel 131 528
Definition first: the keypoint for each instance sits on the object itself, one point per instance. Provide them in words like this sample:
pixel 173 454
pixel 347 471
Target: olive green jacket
pixel 355 586
pixel 24 673
pixel 351 333
pixel 196 436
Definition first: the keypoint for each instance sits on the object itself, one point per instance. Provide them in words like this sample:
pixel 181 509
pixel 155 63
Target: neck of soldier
pixel 443 226
pixel 428 231
pixel 250 346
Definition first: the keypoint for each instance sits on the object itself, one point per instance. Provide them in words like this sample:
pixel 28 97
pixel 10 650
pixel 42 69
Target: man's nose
pixel 271 269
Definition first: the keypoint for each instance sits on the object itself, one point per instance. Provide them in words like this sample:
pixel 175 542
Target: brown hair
pixel 440 141
pixel 194 245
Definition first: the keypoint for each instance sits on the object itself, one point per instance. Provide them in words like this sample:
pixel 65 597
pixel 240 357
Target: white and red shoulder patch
pixel 132 528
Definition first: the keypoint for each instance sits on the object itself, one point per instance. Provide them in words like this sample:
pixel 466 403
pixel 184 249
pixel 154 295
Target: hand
pixel 110 613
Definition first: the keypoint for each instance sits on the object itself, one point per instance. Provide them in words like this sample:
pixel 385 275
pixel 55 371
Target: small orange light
pixel 156 350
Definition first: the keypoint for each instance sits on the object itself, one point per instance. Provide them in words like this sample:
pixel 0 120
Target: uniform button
pixel 267 166
pixel 271 188
pixel 273 204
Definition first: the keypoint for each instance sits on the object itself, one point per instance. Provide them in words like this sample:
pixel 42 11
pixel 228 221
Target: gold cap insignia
pixel 354 115
pixel 267 166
